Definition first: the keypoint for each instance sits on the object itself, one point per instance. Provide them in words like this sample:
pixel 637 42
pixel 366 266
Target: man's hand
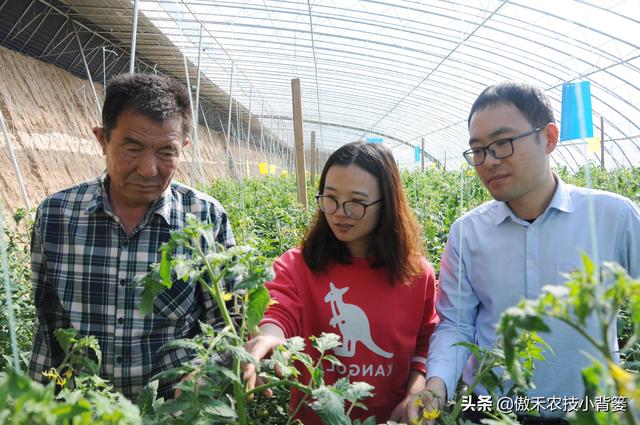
pixel 430 399
pixel 261 346
pixel 185 378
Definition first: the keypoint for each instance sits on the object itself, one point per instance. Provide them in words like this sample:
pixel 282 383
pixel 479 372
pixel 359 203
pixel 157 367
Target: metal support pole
pixel 104 66
pixel 314 158
pixel 230 162
pixel 602 142
pixel 196 131
pixel 186 73
pixel 134 33
pixel 262 130
pixel 422 154
pixel 271 140
pixel 249 124
pixel 23 191
pixel 46 48
pixel 86 67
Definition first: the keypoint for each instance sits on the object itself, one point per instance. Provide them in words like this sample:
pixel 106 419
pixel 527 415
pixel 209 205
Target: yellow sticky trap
pixel 272 169
pixel 284 173
pixel 263 168
pixel 593 144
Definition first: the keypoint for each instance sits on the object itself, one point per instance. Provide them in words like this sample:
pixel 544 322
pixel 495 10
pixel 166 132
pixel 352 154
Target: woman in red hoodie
pixel 360 273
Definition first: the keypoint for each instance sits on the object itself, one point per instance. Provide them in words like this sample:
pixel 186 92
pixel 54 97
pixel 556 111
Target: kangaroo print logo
pixel 353 324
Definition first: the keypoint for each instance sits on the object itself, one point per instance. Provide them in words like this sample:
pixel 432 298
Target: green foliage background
pixel 265 214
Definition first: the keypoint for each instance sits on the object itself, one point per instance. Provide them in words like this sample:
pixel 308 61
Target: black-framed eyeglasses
pixel 352 209
pixel 499 149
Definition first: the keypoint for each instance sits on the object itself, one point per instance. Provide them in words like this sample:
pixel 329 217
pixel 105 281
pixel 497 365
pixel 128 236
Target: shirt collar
pixel 561 201
pixel 163 205
pixel 100 200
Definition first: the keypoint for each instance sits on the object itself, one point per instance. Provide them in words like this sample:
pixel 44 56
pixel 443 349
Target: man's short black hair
pixel 529 99
pixel 157 97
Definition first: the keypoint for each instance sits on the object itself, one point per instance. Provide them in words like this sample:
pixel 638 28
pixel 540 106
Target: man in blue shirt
pixel 507 249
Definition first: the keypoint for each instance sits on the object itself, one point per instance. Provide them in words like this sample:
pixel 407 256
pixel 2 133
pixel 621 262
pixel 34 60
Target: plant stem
pixel 274 384
pixel 214 290
pixel 240 395
pixel 588 337
pixel 298 407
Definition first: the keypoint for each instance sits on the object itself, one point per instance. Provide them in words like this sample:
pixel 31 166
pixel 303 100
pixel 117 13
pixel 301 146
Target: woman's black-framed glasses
pixel 500 149
pixel 352 209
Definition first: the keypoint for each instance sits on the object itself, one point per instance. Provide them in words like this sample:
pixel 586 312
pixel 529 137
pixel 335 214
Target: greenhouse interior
pixel 275 90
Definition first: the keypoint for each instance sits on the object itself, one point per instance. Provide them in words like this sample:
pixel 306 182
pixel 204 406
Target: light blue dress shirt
pixel 506 259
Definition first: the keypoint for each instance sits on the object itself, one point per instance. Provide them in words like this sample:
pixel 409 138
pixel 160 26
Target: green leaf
pixel 187 344
pixel 219 409
pixel 258 302
pixel 295 344
pixel 66 412
pixel 358 391
pixel 152 287
pixel 326 341
pixel 146 398
pixel 229 374
pixel 332 359
pixel 329 406
pixel 241 354
pixel 66 338
pixel 165 269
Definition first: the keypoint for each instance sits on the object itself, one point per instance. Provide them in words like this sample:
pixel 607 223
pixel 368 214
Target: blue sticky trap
pixel 577 122
pixel 418 153
pixel 375 139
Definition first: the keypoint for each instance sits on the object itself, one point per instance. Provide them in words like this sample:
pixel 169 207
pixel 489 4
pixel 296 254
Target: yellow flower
pixel 625 382
pixel 54 375
pixel 417 402
pixel 51 373
pixel 430 415
pixel 227 296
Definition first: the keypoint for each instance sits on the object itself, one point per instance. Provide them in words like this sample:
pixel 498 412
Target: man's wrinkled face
pixel 142 156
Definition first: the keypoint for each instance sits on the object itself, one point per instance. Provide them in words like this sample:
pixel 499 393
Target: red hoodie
pixel 384 329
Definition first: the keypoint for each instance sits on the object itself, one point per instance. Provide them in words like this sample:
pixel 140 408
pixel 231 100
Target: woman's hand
pixel 415 384
pixel 399 413
pixel 261 346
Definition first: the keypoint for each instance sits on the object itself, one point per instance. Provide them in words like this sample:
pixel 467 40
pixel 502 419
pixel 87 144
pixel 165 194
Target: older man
pixel 90 241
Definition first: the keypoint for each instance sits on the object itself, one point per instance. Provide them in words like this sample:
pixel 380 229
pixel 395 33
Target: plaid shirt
pixel 84 266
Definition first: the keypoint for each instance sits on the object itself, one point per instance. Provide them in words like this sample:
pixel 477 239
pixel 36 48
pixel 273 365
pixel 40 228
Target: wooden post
pixel 299 141
pixel 601 142
pixel 314 158
pixel 422 154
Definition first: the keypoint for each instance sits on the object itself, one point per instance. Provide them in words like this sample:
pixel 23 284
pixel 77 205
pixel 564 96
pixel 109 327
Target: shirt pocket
pixel 178 302
pixel 564 268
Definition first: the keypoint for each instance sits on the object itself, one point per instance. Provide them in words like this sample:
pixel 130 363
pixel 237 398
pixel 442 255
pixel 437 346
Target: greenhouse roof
pixel 403 71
